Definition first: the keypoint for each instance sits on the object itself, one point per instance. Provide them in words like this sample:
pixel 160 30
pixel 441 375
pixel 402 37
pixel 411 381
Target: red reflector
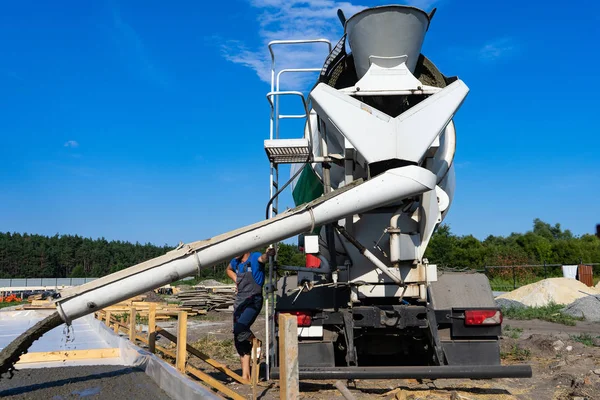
pixel 483 317
pixel 304 318
pixel 312 261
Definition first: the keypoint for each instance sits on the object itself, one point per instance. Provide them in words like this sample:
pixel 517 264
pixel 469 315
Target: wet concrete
pixel 110 382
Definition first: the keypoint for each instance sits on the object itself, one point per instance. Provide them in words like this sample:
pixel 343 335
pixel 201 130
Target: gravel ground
pixel 587 307
pixel 509 303
pixel 111 382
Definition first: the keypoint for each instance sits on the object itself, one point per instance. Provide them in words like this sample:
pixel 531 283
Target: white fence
pixel 25 284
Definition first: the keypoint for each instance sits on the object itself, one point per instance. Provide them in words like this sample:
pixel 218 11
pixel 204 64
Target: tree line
pixel 61 256
pixel 68 256
pixel 545 243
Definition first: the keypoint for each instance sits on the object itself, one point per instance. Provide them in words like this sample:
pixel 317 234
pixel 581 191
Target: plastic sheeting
pixel 89 333
pixel 164 375
pixel 80 336
pixel 569 271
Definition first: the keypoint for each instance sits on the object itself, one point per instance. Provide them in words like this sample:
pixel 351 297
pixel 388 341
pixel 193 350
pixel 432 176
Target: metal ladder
pixel 282 151
pixel 285 151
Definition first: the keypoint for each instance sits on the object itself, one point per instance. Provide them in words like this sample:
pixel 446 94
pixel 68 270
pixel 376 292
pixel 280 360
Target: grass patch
pixel 551 313
pixel 584 338
pixel 222 350
pixel 12 303
pixel 516 353
pixel 206 317
pixel 513 333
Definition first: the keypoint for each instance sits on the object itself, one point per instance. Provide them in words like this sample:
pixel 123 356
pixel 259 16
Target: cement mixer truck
pixel 368 304
pixel 372 176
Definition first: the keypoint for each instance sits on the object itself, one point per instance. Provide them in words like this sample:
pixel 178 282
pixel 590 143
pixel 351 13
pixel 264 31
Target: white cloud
pixel 291 19
pixel 496 49
pixel 72 144
pixel 296 19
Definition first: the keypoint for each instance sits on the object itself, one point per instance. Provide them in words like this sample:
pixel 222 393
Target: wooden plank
pixel 214 383
pixel 46 303
pixel 68 355
pixel 132 314
pixel 214 363
pixel 289 388
pixel 152 328
pixel 182 341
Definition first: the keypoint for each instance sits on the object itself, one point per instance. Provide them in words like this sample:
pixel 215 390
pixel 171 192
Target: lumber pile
pixel 47 304
pixel 208 298
pixel 163 309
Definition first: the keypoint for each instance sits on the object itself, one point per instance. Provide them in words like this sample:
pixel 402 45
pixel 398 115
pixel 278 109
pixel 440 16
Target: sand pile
pixel 558 290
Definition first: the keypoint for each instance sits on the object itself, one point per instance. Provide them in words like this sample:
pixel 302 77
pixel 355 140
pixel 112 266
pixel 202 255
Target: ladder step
pixel 275 211
pixel 287 151
pixel 275 185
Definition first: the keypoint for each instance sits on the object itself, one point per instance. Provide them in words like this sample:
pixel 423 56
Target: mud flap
pixel 472 352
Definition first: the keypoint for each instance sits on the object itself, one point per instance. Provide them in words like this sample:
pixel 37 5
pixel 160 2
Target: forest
pixel 36 256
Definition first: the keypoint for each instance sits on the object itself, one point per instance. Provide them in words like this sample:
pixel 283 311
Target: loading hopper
pixel 388 31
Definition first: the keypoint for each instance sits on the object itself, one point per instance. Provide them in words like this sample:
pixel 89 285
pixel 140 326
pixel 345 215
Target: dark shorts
pixel 243 318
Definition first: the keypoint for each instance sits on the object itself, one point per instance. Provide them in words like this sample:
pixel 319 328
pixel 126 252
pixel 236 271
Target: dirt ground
pixel 108 382
pixel 571 372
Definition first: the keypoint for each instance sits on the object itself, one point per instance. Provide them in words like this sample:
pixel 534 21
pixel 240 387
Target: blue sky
pixel 145 120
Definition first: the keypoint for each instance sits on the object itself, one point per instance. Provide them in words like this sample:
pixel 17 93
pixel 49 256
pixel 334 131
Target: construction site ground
pixel 563 367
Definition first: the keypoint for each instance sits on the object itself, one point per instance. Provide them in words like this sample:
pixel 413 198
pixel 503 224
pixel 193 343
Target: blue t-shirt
pixel 258 268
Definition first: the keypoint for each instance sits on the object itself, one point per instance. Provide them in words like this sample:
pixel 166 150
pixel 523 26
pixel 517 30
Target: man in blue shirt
pixel 248 273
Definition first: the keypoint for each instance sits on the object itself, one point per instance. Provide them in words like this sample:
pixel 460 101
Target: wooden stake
pixel 152 328
pixel 132 325
pixel 255 366
pixel 181 341
pixel 289 386
pixel 116 328
pixel 107 321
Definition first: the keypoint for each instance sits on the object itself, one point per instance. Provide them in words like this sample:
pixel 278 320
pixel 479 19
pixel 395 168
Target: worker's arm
pixel 265 257
pixel 231 274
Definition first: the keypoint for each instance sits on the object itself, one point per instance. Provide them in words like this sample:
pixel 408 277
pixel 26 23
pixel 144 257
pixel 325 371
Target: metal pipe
pixel 394 233
pixel 370 256
pixel 418 372
pixel 386 188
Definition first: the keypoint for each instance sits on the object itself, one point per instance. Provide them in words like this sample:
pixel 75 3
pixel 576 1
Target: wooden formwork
pixel 179 357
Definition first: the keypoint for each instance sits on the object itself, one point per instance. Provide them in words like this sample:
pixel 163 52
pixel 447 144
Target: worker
pixel 248 273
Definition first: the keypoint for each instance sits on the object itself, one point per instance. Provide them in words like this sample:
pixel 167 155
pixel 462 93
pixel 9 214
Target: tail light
pixel 483 317
pixel 304 318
